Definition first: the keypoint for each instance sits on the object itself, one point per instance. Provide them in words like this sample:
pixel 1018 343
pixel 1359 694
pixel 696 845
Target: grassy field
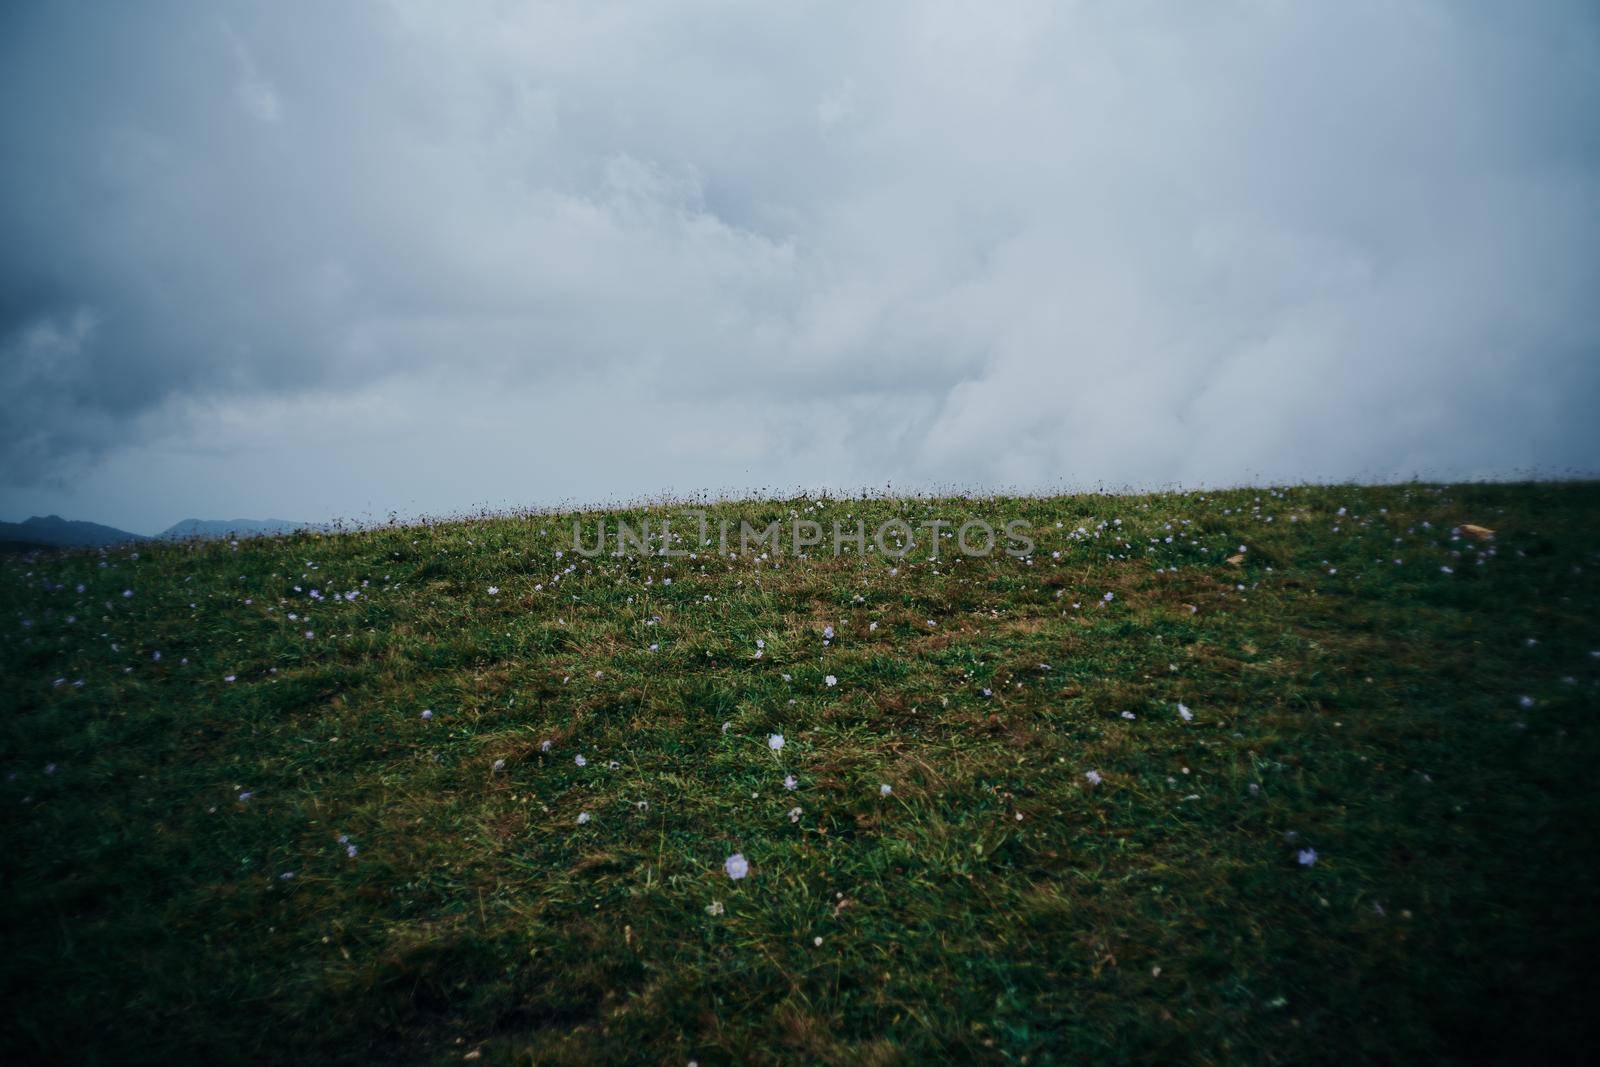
pixel 320 798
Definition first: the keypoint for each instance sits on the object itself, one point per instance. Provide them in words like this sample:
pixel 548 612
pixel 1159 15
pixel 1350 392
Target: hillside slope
pixel 426 792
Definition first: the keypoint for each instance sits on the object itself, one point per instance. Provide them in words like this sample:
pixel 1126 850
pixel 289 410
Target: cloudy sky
pixel 312 260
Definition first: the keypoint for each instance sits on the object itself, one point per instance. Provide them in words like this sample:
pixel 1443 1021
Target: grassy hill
pixel 1333 800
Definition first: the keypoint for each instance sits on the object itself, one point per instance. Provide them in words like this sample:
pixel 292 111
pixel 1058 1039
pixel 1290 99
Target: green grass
pixel 995 907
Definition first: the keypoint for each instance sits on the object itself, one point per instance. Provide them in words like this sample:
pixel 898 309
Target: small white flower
pixel 885 789
pixel 817 941
pixel 827 633
pixel 791 783
pixel 229 679
pixel 426 714
pixel 830 681
pixel 494 590
pixel 1185 714
pixel 583 817
pixel 1307 857
pixel 544 746
pixel 714 908
pixel 579 760
pixel 736 866
pixel 499 765
pixel 1109 597
pixel 1127 715
pixel 1093 777
pixel 1526 702
pixel 775 741
pixel 794 814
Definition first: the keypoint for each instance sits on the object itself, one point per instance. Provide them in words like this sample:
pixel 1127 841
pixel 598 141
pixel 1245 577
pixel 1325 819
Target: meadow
pixel 1286 775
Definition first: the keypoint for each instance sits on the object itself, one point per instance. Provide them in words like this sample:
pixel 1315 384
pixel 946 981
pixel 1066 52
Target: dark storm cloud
pixel 835 244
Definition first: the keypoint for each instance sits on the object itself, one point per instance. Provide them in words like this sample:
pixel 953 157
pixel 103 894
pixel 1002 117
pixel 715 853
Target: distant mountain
pixel 52 531
pixel 209 529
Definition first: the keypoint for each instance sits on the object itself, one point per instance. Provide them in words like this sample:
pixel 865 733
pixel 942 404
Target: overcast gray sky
pixel 312 260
